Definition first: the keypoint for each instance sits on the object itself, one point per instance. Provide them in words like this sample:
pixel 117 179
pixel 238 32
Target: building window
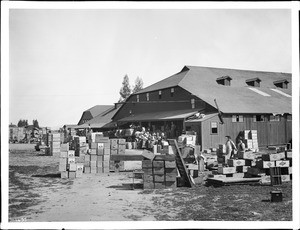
pixel 159 94
pixel 259 118
pixel 225 80
pixel 281 83
pixel 214 128
pixel 237 118
pixel 193 103
pixel 137 98
pixel 147 96
pixel 172 92
pixel 289 117
pixel 275 118
pixel 255 82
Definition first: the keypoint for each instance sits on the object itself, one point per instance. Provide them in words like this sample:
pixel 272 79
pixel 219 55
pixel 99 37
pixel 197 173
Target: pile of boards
pixel 256 165
pixel 159 173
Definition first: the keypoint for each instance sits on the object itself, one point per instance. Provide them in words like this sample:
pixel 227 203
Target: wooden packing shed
pixel 246 100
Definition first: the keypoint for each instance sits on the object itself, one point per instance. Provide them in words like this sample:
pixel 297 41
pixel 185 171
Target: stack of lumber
pixel 55 144
pixel 68 165
pixel 80 145
pixel 97 160
pixel 250 139
pixel 160 173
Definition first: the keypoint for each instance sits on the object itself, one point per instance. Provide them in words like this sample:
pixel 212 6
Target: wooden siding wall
pixel 268 132
pixel 181 100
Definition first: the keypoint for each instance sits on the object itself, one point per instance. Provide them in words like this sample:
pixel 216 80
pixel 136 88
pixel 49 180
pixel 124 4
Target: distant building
pixel 215 102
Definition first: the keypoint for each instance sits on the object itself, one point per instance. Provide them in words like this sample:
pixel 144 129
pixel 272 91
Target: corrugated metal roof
pixel 236 98
pixel 163 115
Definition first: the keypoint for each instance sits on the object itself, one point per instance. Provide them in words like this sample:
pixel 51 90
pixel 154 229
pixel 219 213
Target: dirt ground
pixel 37 194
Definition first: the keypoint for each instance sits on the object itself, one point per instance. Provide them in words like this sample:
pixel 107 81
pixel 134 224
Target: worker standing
pixel 230 148
pixel 241 146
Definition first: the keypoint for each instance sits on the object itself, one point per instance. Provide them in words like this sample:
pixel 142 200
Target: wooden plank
pixel 180 164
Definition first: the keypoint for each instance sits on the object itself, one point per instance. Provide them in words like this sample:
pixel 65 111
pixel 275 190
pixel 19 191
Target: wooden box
pixel 93 151
pixel 158 164
pixel 285 171
pixel 170 176
pixel 170 164
pixel 94 145
pixel 64 147
pixel 256 171
pixel 285 178
pixel 159 185
pixel 87 164
pixel 171 171
pixel 93 164
pixel 100 145
pixel 106 158
pixel 238 175
pixel 121 141
pixel 265 164
pixel 170 184
pixel 289 154
pixel 242 169
pixel 226 170
pixel 72 167
pixel 271 157
pixel 71 160
pixel 114 151
pixel 62 168
pixel 107 151
pixel 249 155
pixel 266 179
pixel 78 174
pixel 64 154
pixel 100 170
pixel 72 175
pixel 64 174
pixel 121 151
pixel 71 153
pixel 234 162
pixel 100 158
pixel 159 178
pixel 63 161
pixel 94 170
pixel 146 164
pixel 282 163
pixel 100 164
pixel 94 157
pixel 281 155
pixel 100 152
pixel 158 171
pixel 87 157
pixel 87 169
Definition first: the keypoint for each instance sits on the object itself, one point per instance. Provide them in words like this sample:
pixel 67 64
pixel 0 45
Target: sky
pixel 62 62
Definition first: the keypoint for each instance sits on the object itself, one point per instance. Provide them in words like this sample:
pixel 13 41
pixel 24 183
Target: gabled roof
pixel 101 120
pixel 253 79
pixel 98 109
pixel 238 98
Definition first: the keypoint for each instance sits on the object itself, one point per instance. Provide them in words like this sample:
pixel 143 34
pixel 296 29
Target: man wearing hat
pixel 230 148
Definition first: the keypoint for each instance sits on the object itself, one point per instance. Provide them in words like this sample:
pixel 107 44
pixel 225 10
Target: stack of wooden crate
pixel 55 144
pixel 68 166
pixel 97 160
pixel 80 145
pixel 117 146
pixel 159 173
pixel 251 140
pixel 275 160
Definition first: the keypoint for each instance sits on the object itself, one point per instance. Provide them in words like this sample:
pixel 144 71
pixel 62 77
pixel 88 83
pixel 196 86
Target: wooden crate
pixel 93 151
pixel 242 169
pixel 158 164
pixel 62 167
pixel 158 171
pixel 256 171
pixel 282 163
pixel 249 155
pixel 71 160
pixel 285 178
pixel 87 169
pixel 78 174
pixel 121 141
pixel 266 179
pixel 64 174
pixel 63 161
pixel 271 157
pixel 170 164
pixel 72 175
pixel 72 167
pixel 114 151
pixel 265 164
pixel 87 157
pixel 148 185
pixel 226 170
pixel 100 151
pixel 146 164
pixel 170 184
pixel 71 153
pixel 234 162
pixel 170 176
pixel 159 185
pixel 94 157
pixel 159 178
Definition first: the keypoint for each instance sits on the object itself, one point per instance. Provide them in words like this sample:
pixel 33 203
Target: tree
pixel 125 90
pixel 138 85
pixel 22 123
pixel 35 123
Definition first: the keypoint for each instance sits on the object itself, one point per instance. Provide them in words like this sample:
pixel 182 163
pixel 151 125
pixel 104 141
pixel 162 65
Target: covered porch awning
pixel 160 116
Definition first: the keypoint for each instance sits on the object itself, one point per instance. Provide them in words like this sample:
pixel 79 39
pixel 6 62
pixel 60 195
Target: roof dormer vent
pixel 255 82
pixel 225 80
pixel 281 83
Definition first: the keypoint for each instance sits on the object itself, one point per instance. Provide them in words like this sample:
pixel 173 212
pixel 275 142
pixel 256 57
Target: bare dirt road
pixel 38 194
